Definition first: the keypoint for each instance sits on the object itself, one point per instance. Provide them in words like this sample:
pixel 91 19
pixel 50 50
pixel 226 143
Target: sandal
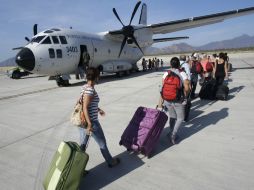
pixel 86 172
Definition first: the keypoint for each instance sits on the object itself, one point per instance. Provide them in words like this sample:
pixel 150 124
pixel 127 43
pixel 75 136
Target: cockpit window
pixel 37 39
pixel 55 29
pixel 46 41
pixel 48 31
pixel 55 39
pixel 63 40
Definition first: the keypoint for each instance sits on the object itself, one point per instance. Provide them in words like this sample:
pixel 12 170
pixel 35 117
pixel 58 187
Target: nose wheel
pixel 62 82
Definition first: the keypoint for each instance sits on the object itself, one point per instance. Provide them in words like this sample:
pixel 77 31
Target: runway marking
pixel 34 134
pixel 247 63
pixel 27 93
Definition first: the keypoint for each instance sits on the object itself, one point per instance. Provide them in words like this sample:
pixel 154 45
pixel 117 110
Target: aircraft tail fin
pixel 143 15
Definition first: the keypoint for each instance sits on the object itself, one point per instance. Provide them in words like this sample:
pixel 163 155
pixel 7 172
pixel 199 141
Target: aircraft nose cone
pixel 25 59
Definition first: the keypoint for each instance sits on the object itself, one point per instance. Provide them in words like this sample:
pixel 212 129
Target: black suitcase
pixel 230 67
pixel 208 90
pixel 187 110
pixel 222 92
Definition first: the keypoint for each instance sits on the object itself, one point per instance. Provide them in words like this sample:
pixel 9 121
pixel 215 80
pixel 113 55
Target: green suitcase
pixel 67 167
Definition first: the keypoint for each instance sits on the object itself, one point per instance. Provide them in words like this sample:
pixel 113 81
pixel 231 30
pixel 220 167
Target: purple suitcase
pixel 143 131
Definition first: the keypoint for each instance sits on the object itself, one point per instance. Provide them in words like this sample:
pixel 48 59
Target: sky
pixel 93 16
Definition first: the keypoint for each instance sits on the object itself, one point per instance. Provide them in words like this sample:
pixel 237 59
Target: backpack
pixel 209 67
pixel 172 89
pixel 196 67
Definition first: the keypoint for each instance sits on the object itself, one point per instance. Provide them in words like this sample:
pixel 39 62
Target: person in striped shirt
pixel 91 110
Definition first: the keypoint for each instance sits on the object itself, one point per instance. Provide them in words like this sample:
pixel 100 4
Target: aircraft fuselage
pixel 58 51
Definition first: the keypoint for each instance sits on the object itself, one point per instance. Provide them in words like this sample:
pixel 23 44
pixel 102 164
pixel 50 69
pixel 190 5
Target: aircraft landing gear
pixel 61 82
pixel 16 74
pixel 127 73
pixel 120 74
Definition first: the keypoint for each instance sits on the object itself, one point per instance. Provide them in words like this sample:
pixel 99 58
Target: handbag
pixel 76 115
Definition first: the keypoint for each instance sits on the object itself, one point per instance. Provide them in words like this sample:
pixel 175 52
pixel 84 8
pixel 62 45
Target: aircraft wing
pixel 173 26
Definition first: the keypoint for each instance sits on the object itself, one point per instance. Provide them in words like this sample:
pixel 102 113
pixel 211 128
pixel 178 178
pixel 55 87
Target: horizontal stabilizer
pixel 169 39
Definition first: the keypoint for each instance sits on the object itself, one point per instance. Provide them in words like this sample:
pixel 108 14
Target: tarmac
pixel 216 148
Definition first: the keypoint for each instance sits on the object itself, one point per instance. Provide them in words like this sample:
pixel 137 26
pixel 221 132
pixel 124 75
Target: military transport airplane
pixel 59 52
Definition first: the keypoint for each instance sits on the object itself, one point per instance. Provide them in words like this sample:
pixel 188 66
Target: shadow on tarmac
pixel 242 68
pixel 197 124
pixel 100 176
pixel 234 91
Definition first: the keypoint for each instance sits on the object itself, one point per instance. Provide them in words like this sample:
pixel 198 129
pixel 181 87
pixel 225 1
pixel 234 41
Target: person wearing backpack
pixel 175 87
pixel 196 69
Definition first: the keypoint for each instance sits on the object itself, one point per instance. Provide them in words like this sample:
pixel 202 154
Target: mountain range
pixel 242 41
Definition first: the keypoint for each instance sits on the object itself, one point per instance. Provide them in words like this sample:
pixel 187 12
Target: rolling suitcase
pixel 208 90
pixel 143 131
pixel 230 67
pixel 67 167
pixel 222 92
pixel 187 110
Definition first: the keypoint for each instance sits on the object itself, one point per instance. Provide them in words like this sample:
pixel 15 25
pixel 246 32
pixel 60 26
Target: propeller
pixel 128 31
pixel 34 30
pixel 26 38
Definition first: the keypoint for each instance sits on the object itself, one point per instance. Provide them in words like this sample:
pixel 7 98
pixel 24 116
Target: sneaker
pixel 85 172
pixel 115 162
pixel 173 139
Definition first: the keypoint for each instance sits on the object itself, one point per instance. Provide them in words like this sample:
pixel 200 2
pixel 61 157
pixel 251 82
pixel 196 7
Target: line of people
pixel 204 67
pixel 150 64
pixel 178 86
pixel 184 68
pixel 187 71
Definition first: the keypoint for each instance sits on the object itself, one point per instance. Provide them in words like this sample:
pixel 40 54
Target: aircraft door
pixel 86 56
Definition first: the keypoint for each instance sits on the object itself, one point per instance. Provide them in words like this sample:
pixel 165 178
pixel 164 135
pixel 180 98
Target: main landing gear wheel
pixel 127 72
pixel 120 74
pixel 61 82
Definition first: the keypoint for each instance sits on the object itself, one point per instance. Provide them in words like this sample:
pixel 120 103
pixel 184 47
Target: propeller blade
pixel 35 29
pixel 135 41
pixel 17 48
pixel 134 11
pixel 122 45
pixel 114 11
pixel 27 39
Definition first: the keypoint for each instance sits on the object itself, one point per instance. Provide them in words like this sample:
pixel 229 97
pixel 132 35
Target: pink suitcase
pixel 143 131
